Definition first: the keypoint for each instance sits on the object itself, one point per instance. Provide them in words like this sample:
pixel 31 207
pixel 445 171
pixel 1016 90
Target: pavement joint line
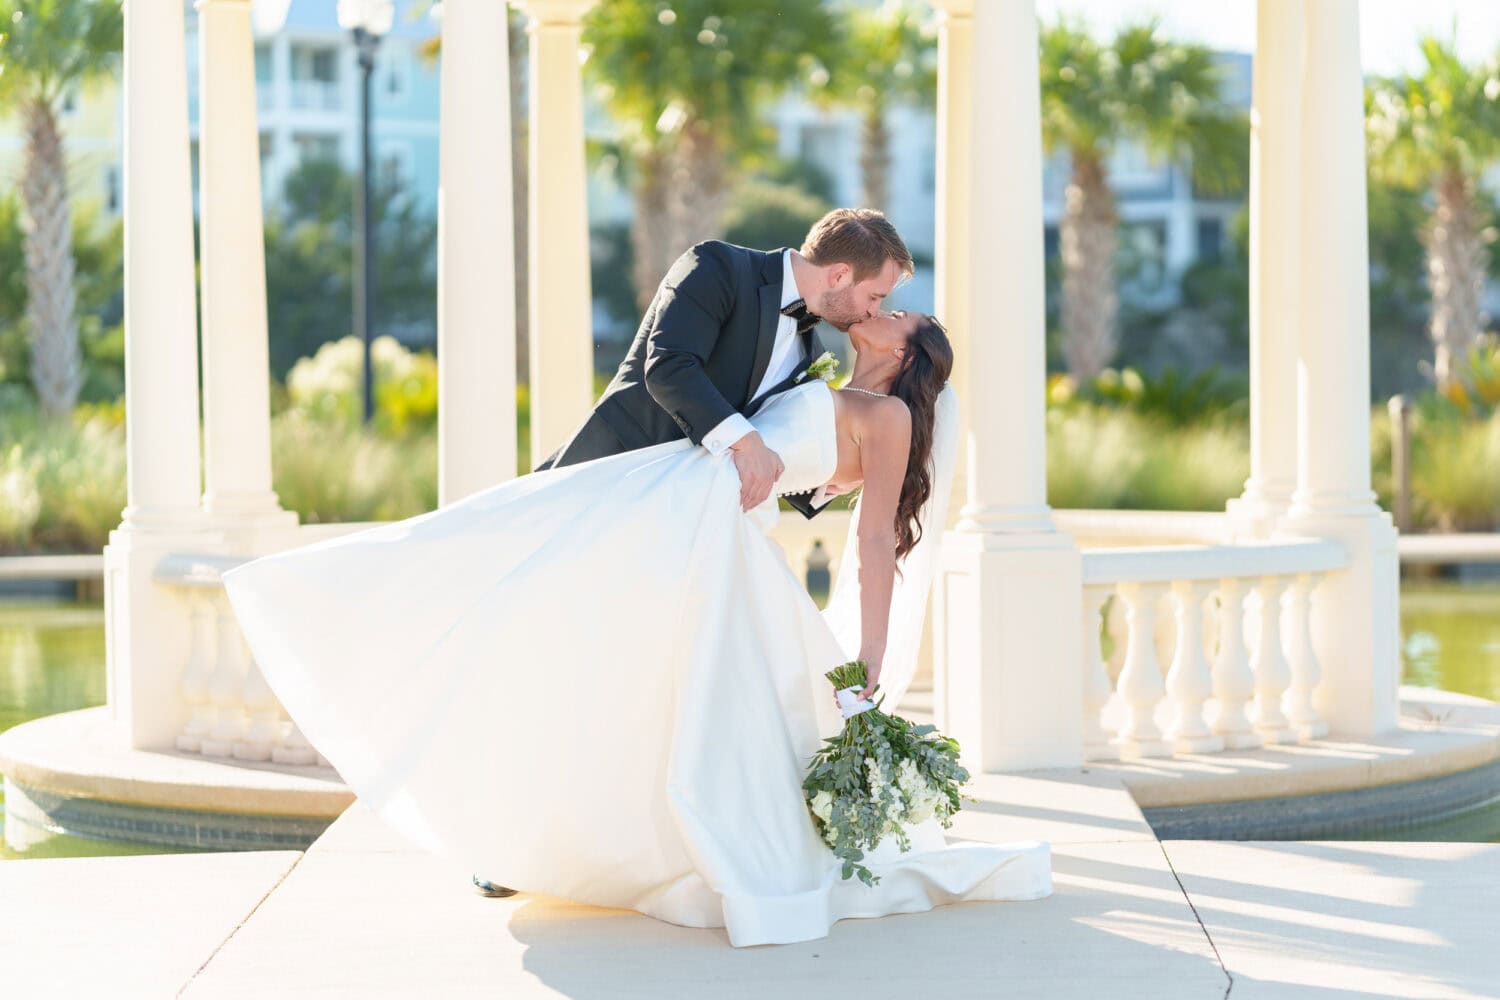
pixel 1206 935
pixel 242 922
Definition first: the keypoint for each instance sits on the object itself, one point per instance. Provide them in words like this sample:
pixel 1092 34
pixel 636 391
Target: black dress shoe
pixel 488 888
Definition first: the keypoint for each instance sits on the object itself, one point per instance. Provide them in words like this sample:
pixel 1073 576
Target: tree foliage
pixel 49 46
pixel 1143 87
pixel 309 254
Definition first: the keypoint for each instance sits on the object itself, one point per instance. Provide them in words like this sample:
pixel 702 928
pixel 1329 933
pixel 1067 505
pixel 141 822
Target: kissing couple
pixel 603 681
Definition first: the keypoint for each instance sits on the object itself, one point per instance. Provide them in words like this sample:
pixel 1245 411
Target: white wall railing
pixel 1177 654
pixel 1231 621
pixel 232 712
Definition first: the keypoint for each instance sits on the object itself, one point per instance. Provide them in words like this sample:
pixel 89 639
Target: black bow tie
pixel 798 311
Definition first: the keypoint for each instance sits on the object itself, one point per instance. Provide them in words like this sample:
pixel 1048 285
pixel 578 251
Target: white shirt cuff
pixel 730 430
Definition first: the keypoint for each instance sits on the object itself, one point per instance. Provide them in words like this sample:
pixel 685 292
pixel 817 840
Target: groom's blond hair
pixel 863 238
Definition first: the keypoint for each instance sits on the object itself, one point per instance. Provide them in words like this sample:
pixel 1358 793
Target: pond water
pixel 52 660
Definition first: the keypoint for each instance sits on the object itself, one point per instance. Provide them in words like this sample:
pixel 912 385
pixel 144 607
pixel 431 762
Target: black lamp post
pixel 369 20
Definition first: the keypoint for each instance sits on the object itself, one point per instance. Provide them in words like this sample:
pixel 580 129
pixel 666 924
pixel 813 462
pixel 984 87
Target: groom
pixel 729 328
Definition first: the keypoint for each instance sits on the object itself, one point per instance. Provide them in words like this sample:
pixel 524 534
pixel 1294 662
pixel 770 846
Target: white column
pixel 1355 613
pixel 955 137
pixel 1333 385
pixel 161 332
pixel 476 256
pixel 1275 264
pixel 560 315
pixel 147 626
pixel 236 362
pixel 1009 578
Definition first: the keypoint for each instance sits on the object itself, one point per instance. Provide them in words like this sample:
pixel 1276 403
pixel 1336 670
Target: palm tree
pixel 1440 129
pixel 50 48
pixel 890 56
pixel 685 78
pixel 1143 88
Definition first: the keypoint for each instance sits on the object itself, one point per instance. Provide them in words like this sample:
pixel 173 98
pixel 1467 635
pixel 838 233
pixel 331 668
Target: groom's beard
pixel 838 310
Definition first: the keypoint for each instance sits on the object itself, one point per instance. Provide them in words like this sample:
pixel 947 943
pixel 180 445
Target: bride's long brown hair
pixel 924 371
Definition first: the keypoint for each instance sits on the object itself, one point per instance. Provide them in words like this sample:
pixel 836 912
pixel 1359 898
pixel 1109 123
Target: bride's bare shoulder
pixel 883 422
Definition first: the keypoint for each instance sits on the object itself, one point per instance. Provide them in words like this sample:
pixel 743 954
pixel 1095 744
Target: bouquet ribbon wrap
pixel 849 704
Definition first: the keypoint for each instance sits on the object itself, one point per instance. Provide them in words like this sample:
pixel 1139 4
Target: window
pixel 393 76
pixel 1211 239
pixel 827 145
pixel 317 63
pixel 395 166
pixel 112 189
pixel 316 146
pixel 315 77
pixel 1134 171
pixel 262 65
pixel 1143 255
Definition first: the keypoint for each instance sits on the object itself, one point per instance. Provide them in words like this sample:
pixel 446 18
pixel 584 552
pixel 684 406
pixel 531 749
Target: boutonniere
pixel 824 367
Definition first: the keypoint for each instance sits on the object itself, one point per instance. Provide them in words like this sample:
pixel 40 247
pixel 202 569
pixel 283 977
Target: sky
pixel 1388 29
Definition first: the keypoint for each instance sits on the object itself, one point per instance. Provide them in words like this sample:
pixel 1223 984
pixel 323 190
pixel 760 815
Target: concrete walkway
pixel 363 914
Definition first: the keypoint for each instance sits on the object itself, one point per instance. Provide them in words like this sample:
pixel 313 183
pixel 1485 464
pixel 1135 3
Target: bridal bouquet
pixel 879 775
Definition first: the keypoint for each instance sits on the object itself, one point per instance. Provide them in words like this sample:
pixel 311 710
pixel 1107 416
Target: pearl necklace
pixel 867 392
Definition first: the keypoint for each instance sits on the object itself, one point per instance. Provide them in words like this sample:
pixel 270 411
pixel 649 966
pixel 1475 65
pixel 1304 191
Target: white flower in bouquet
pixel 878 777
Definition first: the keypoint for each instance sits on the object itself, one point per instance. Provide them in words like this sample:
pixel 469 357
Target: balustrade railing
pixel 1231 622
pixel 232 712
pixel 1188 648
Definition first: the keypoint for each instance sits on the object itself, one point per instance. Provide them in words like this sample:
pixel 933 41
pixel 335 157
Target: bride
pixel 604 682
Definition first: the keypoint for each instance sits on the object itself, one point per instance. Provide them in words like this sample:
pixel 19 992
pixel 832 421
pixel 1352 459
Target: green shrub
pixel 1174 395
pixel 1102 457
pixel 328 387
pixel 62 484
pixel 1456 473
pixel 341 472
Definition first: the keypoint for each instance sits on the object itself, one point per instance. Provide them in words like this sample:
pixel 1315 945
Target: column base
pixel 146 631
pixel 1007 650
pixel 1007 521
pixel 1255 513
pixel 248 506
pixel 1355 621
pixel 253 529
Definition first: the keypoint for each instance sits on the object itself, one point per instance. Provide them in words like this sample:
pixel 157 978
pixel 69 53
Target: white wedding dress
pixel 603 682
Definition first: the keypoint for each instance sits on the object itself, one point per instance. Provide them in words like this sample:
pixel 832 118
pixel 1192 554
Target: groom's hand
pixel 759 468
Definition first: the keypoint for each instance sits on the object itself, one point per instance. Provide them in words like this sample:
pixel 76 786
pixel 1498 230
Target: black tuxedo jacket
pixel 701 350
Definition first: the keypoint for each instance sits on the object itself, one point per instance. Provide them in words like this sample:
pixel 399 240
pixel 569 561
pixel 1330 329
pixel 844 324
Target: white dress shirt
pixel 786 354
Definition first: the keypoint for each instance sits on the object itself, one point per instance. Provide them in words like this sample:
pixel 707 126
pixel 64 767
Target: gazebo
pixel 1273 621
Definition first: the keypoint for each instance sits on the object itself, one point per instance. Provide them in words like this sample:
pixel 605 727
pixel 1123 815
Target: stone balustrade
pixel 1231 624
pixel 232 712
pixel 1178 656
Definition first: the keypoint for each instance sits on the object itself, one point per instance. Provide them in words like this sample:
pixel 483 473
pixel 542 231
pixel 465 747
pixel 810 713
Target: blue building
pixel 307 90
